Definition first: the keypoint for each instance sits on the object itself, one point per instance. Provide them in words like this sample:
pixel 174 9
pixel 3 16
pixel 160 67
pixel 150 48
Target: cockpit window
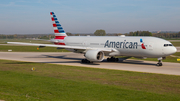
pixel 165 45
pixel 170 45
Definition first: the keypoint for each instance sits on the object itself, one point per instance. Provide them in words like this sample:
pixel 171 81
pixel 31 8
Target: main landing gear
pixel 159 62
pixel 112 59
pixel 85 61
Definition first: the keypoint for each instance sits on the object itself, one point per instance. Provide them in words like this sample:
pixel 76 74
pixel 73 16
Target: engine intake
pixel 94 55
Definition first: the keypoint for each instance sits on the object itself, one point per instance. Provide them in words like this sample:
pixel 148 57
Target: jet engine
pixel 94 55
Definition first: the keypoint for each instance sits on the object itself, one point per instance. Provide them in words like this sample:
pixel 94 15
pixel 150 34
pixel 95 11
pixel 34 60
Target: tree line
pixel 140 33
pixel 160 35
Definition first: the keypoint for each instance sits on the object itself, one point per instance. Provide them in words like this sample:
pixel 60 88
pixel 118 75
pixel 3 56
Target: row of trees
pixel 137 33
pixel 141 33
pixel 167 35
pixel 8 36
pixel 100 32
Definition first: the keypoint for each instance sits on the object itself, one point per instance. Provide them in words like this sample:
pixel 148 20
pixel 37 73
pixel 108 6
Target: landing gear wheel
pixel 116 59
pixel 159 62
pixel 85 61
pixel 112 59
pixel 82 61
pixel 108 59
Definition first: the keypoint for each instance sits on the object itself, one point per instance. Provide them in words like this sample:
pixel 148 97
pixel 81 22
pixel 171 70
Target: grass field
pixel 176 43
pixel 69 83
pixel 4 41
pixel 177 54
pixel 5 48
pixel 16 48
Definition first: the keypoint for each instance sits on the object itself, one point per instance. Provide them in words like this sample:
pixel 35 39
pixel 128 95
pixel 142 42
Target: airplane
pixel 95 48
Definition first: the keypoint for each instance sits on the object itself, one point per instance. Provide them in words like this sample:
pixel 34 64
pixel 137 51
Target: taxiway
pixel 74 59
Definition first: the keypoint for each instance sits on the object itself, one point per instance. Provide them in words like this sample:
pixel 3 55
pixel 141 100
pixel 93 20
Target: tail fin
pixel 58 30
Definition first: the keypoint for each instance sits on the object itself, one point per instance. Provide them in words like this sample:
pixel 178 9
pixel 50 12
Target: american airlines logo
pixel 113 44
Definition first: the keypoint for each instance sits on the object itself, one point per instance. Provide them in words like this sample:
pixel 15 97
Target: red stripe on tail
pixel 54 25
pixel 59 37
pixel 52 19
pixel 56 31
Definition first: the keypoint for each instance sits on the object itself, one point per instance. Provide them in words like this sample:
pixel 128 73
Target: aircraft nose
pixel 174 50
pixel 170 50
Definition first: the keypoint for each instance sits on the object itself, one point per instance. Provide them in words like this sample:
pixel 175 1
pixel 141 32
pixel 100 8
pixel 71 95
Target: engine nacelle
pixel 94 55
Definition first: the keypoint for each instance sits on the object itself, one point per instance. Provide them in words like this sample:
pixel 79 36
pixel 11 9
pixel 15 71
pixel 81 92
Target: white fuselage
pixel 140 46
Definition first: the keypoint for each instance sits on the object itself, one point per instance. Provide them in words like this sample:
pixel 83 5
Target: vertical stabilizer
pixel 58 30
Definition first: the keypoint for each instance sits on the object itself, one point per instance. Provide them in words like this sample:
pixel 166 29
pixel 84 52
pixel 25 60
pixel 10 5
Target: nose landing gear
pixel 159 61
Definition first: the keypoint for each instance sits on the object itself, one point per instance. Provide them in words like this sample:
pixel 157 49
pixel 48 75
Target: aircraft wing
pixel 64 46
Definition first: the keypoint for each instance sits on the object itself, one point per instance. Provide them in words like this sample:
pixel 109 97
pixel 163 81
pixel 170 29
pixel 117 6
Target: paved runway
pixel 74 59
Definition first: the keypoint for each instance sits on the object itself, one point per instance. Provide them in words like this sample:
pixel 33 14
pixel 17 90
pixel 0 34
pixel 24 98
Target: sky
pixel 86 16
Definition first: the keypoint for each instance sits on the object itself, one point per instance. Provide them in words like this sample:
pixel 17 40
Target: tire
pixel 116 60
pixel 108 59
pixel 82 61
pixel 159 64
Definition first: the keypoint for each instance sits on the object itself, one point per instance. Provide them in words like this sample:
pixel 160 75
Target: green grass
pixel 70 83
pixel 14 48
pixel 4 41
pixel 5 48
pixel 176 43
pixel 177 54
